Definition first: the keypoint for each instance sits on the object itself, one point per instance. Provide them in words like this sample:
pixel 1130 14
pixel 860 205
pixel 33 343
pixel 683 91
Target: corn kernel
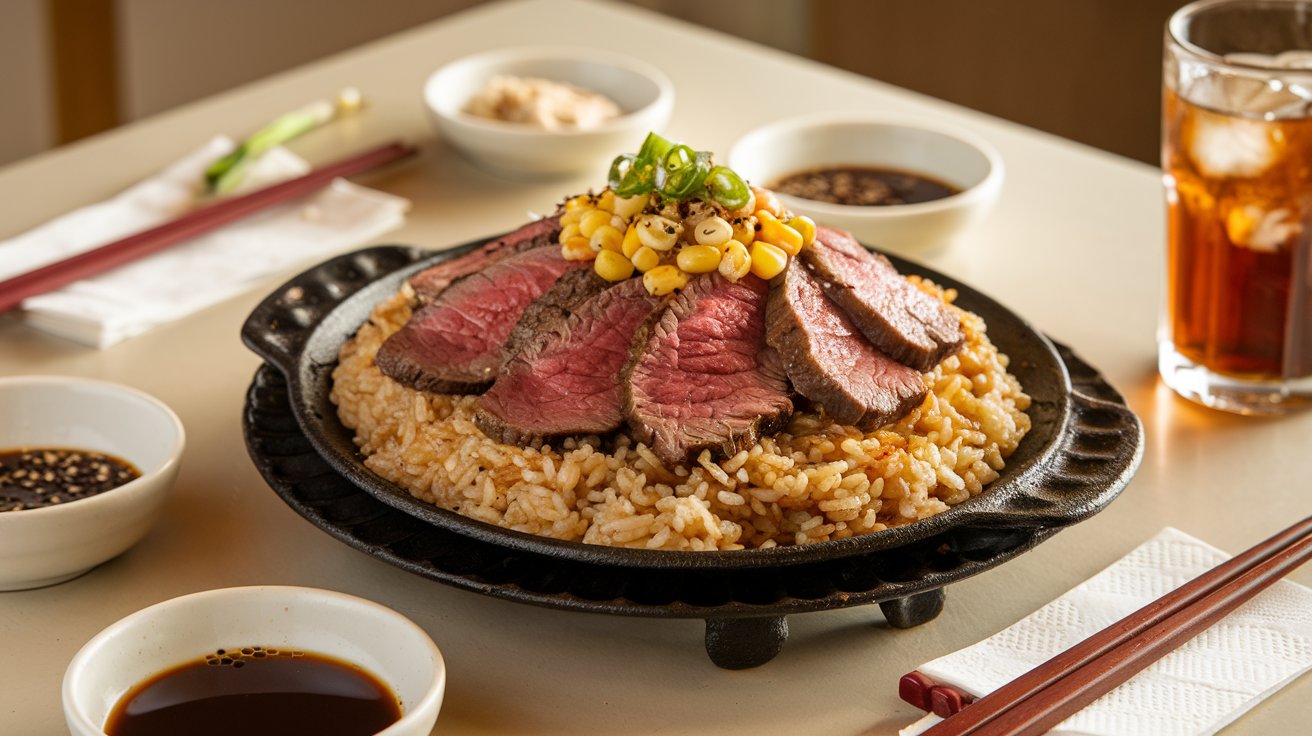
pixel 593 220
pixel 698 258
pixel 775 232
pixel 744 229
pixel 571 217
pixel 768 260
pixel 735 261
pixel 605 238
pixel 606 201
pixel 577 249
pixel 569 231
pixel 750 207
pixel 630 244
pixel 629 206
pixel 578 204
pixel 645 259
pixel 805 226
pixel 664 279
pixel 658 233
pixel 713 231
pixel 612 266
pixel 766 201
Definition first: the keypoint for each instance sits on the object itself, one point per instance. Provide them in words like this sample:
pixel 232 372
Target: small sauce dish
pixel 51 544
pixel 645 97
pixel 957 158
pixel 355 631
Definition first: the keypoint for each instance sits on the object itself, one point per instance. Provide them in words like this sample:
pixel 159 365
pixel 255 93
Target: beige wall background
pixel 25 94
pixel 1083 69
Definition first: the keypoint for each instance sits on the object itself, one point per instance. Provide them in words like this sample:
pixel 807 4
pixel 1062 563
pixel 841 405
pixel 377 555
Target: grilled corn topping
pixel 669 213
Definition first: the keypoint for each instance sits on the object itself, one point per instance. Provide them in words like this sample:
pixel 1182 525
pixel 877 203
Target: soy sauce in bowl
pixel 864 186
pixel 257 691
pixel 31 478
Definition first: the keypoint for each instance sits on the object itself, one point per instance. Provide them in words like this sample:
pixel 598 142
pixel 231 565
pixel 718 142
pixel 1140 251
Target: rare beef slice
pixel 433 281
pixel 700 374
pixel 830 362
pixel 901 320
pixel 561 375
pixel 454 343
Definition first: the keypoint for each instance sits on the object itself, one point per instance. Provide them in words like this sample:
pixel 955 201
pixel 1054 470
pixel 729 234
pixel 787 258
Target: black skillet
pixel 1084 446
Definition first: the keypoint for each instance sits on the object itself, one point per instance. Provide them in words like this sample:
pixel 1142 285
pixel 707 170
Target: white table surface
pixel 1075 245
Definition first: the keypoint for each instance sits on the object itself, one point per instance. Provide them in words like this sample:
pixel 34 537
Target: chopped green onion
pixel 637 180
pixel 679 157
pixel 653 149
pixel 677 172
pixel 683 173
pixel 727 188
pixel 620 168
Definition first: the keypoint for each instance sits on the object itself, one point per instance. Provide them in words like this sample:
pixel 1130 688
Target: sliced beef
pixel 700 374
pixel 548 313
pixel 562 376
pixel 900 319
pixel 453 344
pixel 830 362
pixel 432 281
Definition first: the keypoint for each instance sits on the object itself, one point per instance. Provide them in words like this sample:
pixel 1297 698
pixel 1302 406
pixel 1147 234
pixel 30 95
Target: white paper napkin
pixel 1197 689
pixel 187 277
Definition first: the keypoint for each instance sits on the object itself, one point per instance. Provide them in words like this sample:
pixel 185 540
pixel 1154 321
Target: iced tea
pixel 1237 165
pixel 1239 197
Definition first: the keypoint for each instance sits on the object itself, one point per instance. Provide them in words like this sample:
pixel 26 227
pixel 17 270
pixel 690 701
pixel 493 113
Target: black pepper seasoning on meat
pixel 36 477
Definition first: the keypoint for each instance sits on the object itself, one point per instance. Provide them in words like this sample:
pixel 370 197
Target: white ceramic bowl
pixel 952 156
pixel 644 95
pixel 174 632
pixel 52 544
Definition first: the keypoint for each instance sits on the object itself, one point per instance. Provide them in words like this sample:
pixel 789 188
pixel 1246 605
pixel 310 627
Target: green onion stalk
pixel 225 174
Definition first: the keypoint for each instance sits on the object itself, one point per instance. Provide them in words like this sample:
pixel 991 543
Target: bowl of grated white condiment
pixel 545 112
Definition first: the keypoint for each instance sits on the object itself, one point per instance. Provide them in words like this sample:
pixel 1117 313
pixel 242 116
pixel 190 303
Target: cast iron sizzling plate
pixel 1090 446
pixel 1083 447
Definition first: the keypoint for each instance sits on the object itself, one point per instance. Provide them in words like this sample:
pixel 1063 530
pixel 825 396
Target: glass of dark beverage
pixel 1237 166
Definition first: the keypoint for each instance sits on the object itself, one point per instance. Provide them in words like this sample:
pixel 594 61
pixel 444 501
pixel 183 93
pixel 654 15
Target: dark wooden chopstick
pixel 1046 695
pixel 97 260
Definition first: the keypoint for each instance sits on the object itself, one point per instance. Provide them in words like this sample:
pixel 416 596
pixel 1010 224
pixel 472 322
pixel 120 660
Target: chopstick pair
pixel 1045 696
pixel 94 261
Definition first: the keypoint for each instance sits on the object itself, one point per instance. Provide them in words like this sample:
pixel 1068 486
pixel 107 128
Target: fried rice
pixel 815 481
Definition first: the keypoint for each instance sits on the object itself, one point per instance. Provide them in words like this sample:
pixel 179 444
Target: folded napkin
pixel 187 277
pixel 1197 689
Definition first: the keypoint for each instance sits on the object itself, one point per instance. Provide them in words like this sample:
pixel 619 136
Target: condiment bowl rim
pixel 414 713
pixel 967 196
pixel 665 88
pixel 133 488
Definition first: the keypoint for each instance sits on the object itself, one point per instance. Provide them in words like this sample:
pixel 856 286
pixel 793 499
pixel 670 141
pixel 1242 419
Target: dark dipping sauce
pixel 47 476
pixel 257 691
pixel 863 186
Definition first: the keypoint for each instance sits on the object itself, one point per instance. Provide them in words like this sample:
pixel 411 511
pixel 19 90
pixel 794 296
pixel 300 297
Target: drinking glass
pixel 1236 332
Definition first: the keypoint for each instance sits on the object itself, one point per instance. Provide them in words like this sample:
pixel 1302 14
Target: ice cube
pixel 1254 227
pixel 1293 59
pixel 1251 59
pixel 1273 95
pixel 1223 145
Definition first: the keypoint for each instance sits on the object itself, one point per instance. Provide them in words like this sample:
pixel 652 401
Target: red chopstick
pixel 922 691
pixel 1053 691
pixel 97 260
